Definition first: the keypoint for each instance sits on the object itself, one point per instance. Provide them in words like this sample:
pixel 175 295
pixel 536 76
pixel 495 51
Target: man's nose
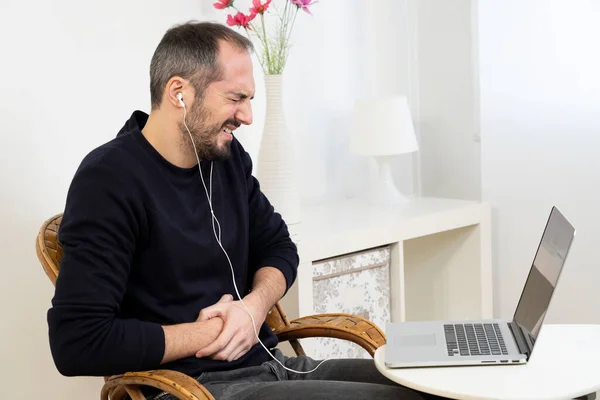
pixel 244 113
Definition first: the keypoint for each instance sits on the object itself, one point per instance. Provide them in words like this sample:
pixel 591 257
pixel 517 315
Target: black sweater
pixel 139 252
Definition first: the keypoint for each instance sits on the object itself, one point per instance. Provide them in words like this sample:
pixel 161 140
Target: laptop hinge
pixel 522 343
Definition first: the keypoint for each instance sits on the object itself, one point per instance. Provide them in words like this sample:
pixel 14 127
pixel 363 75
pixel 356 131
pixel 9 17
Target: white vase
pixel 277 158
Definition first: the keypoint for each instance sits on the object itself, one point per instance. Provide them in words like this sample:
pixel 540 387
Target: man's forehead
pixel 236 86
pixel 237 72
pixel 238 81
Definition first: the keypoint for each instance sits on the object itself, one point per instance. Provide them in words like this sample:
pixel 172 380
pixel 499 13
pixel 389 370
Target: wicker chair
pixel 341 326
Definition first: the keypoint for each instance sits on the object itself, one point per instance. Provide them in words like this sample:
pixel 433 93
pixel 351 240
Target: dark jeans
pixel 348 379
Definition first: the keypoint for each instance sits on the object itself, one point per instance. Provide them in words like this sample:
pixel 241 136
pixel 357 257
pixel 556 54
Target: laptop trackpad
pixel 412 340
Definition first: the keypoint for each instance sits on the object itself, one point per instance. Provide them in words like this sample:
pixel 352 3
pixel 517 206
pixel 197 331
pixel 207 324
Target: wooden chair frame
pixel 340 326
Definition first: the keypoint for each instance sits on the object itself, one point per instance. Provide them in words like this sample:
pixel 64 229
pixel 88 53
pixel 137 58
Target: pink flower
pixel 221 4
pixel 259 8
pixel 240 19
pixel 303 4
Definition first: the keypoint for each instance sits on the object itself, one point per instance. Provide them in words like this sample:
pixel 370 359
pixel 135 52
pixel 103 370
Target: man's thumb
pixel 215 310
pixel 210 312
pixel 226 298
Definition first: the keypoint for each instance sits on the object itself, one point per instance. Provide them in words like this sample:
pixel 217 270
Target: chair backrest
pixel 48 248
pixel 50 252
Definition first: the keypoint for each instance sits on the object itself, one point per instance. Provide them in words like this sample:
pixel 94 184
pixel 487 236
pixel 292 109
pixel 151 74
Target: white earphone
pixel 180 98
pixel 218 238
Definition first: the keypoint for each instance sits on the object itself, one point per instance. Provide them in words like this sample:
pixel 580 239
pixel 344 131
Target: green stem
pixel 287 39
pixel 261 65
pixel 285 10
pixel 266 44
pixel 284 47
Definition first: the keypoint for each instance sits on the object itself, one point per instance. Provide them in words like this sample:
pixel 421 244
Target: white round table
pixel 565 364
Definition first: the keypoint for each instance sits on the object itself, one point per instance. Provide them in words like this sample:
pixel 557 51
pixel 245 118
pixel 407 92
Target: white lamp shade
pixel 383 127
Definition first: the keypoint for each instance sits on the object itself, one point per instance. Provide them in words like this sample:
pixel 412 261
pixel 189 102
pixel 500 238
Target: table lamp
pixel 383 128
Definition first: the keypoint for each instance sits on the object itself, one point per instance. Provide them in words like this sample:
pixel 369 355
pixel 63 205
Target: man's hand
pixel 237 336
pixel 184 340
pixel 202 316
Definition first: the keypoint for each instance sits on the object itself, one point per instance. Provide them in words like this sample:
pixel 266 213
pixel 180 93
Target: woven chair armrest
pixel 341 326
pixel 176 383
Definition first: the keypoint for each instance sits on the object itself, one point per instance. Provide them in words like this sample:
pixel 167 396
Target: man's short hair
pixel 190 51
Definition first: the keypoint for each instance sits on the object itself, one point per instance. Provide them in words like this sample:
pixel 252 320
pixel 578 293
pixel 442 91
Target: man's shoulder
pixel 115 155
pixel 111 164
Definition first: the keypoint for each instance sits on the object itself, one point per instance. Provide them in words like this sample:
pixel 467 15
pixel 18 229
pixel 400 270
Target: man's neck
pixel 166 138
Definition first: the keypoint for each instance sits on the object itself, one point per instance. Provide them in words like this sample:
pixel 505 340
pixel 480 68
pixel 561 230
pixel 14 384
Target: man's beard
pixel 205 136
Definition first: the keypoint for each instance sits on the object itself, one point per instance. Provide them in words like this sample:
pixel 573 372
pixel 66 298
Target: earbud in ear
pixel 180 98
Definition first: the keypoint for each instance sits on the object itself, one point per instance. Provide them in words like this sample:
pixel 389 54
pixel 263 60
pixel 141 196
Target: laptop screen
pixel 543 276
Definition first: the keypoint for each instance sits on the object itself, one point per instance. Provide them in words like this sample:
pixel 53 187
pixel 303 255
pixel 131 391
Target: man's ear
pixel 175 86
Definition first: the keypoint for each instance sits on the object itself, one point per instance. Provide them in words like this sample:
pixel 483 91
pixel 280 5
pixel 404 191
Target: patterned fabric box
pixel 358 284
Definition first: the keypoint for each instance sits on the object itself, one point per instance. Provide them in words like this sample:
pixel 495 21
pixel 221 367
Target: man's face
pixel 224 107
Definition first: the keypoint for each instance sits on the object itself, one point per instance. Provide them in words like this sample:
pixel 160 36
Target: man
pixel 157 224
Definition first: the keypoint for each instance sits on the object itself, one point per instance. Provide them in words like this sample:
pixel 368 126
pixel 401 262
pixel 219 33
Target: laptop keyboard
pixel 474 340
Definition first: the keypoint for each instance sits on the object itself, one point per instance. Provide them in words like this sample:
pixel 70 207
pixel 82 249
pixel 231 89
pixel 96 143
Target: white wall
pixel 448 114
pixel 540 116
pixel 72 73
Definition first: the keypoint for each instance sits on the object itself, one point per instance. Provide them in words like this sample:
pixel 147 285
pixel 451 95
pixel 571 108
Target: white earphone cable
pixel 218 238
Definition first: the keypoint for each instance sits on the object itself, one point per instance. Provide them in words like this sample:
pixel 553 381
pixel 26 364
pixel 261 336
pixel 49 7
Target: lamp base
pixel 384 191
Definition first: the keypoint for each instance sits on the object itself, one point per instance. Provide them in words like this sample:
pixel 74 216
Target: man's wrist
pixel 267 288
pixel 184 340
pixel 257 305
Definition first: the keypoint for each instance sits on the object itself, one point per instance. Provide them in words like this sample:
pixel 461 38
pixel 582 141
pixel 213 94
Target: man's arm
pixel 184 340
pixel 268 288
pixel 270 241
pixel 99 231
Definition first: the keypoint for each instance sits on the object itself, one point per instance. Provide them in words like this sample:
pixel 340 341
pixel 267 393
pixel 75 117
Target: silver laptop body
pixel 488 342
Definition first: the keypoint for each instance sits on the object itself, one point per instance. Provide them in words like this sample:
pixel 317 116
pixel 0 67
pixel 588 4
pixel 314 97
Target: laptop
pixel 488 342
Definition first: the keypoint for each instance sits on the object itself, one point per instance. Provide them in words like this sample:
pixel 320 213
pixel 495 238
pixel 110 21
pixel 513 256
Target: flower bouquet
pixel 273 38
